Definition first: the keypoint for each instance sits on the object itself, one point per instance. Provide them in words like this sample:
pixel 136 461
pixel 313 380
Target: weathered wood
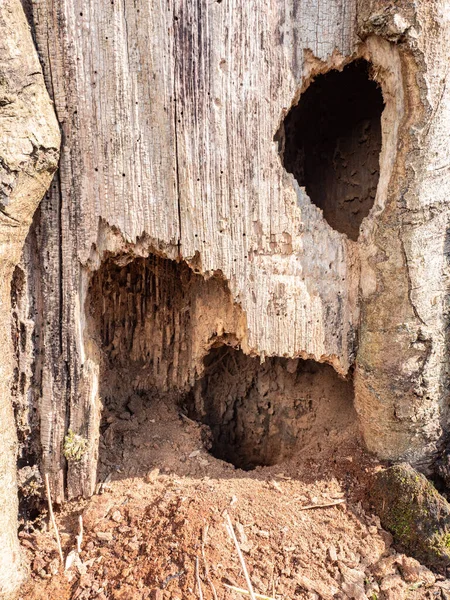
pixel 402 366
pixel 170 113
pixel 168 134
pixel 29 142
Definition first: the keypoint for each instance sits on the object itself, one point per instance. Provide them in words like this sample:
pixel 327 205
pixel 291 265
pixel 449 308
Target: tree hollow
pixel 332 143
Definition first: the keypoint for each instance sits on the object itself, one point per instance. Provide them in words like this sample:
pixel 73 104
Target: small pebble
pixel 116 516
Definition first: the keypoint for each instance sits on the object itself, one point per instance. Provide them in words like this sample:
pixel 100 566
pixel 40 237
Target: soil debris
pixel 163 512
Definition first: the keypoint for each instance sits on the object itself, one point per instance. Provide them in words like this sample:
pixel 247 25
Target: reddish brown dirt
pixel 164 508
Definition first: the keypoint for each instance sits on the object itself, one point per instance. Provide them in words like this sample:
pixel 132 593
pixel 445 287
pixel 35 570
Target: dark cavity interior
pixel 260 414
pixel 331 142
pixel 161 333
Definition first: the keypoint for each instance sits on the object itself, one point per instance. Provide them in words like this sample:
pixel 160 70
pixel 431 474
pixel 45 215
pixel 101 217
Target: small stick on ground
pixel 310 506
pixel 273 580
pixel 52 518
pixel 276 485
pixel 232 534
pixel 187 419
pixel 79 537
pixel 197 576
pixel 208 578
pixel 246 592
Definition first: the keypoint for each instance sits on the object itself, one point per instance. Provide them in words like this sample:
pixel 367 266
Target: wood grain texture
pixel 238 69
pixel 168 143
pixel 29 142
pixel 169 112
pixel 176 120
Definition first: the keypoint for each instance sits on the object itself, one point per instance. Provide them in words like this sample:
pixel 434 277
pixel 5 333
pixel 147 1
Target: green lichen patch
pixel 411 508
pixel 75 446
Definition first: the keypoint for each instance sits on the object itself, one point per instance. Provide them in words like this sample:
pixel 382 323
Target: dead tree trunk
pixel 180 140
pixel 269 176
pixel 29 145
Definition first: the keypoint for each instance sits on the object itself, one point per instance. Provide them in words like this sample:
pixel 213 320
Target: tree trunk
pixel 266 176
pixel 29 145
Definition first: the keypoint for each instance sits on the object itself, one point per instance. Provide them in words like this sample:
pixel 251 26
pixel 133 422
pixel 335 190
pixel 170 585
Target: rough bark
pixel 402 365
pixel 29 144
pixel 172 135
pixel 169 147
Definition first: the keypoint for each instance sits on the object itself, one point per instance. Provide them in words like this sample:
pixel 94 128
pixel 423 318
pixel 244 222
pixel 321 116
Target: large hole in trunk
pixel 162 334
pixel 262 413
pixel 150 321
pixel 332 141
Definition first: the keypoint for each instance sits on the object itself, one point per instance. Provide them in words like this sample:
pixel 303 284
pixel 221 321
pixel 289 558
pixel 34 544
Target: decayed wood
pixel 402 374
pixel 169 113
pixel 29 142
pixel 168 134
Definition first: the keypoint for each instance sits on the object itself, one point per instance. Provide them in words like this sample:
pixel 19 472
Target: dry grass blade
pixel 79 537
pixel 247 593
pixel 241 556
pixel 310 506
pixel 197 576
pixel 52 518
pixel 273 580
pixel 208 579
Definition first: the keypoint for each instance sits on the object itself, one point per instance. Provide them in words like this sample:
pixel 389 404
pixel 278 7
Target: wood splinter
pixel 79 537
pixel 327 505
pixel 52 518
pixel 232 534
pixel 247 593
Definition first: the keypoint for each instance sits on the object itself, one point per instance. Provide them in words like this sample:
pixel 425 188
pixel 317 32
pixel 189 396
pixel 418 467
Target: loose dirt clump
pixel 303 525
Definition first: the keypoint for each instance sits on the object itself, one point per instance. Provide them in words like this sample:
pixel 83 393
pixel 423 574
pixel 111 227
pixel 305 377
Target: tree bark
pixel 29 145
pixel 169 147
pixel 402 364
pixel 173 129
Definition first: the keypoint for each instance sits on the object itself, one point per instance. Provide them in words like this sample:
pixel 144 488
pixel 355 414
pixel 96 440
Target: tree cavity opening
pixel 331 142
pixel 160 334
pixel 260 414
pixel 149 323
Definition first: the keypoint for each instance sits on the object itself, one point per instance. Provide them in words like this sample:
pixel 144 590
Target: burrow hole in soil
pixel 261 413
pixel 331 142
pixel 148 318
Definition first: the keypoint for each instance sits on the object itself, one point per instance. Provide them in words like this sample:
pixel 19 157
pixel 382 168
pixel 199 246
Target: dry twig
pixel 208 579
pixel 187 419
pixel 197 576
pixel 334 503
pixel 52 518
pixel 241 557
pixel 273 580
pixel 79 537
pixel 246 592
